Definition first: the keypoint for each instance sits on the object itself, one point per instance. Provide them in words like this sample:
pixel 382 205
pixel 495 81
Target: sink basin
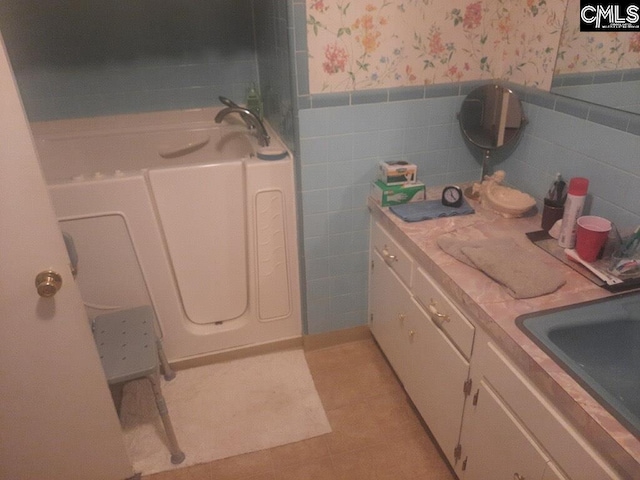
pixel 598 343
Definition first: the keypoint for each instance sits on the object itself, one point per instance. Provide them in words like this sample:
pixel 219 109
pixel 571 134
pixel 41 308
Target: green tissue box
pixel 387 195
pixel 397 172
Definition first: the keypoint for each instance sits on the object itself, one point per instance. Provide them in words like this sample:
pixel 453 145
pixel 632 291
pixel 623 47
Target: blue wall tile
pixel 374 133
pixel 558 138
pixel 100 61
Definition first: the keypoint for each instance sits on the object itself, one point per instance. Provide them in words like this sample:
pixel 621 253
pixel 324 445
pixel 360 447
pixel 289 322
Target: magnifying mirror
pixel 491 121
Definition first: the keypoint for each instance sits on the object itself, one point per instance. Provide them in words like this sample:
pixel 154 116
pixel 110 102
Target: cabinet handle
pixel 411 334
pixel 401 317
pixel 388 257
pixel 437 317
pixel 517 476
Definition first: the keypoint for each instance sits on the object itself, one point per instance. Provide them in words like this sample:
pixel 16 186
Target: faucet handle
pixel 231 104
pixel 250 119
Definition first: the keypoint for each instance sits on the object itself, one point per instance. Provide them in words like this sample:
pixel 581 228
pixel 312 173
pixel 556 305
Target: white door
pixel 57 420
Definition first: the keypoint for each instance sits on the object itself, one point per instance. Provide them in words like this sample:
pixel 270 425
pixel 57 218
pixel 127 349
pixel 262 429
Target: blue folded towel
pixel 418 211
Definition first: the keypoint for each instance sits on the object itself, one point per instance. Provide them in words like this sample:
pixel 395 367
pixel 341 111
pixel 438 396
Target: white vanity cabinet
pixel 429 364
pixel 489 419
pixel 510 431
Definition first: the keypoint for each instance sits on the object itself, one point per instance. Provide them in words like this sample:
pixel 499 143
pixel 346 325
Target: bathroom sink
pixel 597 343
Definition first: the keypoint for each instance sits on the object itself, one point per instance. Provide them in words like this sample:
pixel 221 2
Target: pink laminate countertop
pixel 495 311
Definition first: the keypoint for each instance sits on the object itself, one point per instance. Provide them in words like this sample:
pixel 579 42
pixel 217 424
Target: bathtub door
pixel 202 211
pixel 57 420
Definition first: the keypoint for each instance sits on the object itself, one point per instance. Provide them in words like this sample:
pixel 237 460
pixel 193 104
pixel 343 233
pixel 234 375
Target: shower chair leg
pixel 177 456
pixel 167 371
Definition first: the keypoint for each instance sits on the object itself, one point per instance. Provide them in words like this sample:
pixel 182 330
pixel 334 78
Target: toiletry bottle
pixel 572 210
pixel 554 203
pixel 254 102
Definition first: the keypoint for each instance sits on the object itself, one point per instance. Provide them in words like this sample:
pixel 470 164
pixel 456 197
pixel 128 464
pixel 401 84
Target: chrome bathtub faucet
pixel 230 103
pixel 250 119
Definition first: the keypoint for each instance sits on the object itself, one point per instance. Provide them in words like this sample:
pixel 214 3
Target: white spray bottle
pixel 573 206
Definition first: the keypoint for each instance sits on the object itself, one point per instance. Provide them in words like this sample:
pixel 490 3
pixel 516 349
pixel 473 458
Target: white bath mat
pixel 224 409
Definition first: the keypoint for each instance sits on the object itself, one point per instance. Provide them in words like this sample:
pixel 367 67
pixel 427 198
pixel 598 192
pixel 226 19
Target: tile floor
pixel 376 434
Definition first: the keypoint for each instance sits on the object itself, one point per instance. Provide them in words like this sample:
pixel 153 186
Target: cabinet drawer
pixel 443 313
pixel 393 255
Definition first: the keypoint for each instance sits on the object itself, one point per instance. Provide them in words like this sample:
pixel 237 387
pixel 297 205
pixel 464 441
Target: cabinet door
pixel 569 450
pixel 389 300
pixel 499 447
pixel 437 373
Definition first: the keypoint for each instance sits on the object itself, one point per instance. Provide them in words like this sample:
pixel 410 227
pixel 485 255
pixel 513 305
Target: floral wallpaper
pixel 363 44
pixel 594 51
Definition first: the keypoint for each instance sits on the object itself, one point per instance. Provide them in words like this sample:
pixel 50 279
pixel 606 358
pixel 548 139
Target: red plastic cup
pixel 591 236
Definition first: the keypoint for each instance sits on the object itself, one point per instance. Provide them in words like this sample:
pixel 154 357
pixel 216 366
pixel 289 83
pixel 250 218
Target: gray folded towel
pixel 523 275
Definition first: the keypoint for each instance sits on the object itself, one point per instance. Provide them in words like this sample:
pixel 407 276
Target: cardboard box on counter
pixel 387 195
pixel 397 172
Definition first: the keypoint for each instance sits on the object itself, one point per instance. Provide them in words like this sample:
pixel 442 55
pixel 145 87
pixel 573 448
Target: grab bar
pixel 184 149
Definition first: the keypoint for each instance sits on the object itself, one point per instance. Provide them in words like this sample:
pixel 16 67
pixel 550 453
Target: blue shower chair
pixel 129 350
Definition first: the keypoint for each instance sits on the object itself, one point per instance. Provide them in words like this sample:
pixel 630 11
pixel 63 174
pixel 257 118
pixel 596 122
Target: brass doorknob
pixel 48 283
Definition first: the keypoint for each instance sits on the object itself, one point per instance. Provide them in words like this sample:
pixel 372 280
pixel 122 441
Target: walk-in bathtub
pixel 173 210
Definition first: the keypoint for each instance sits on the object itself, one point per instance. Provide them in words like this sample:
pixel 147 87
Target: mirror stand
pixel 491 121
pixel 485 164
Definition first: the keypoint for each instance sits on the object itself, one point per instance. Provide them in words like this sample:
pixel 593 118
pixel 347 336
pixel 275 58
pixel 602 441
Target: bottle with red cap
pixel 576 195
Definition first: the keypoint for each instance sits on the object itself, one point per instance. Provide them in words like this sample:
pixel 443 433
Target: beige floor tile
pixel 196 472
pixel 365 424
pixel 299 452
pixel 399 458
pixel 363 464
pixel 420 458
pixel 241 466
pixel 376 432
pixel 318 469
pixel 261 476
pixel 350 373
pixel 353 428
pixel 393 412
pixel 379 462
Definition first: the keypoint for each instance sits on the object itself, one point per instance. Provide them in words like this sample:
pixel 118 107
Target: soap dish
pixel 271 153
